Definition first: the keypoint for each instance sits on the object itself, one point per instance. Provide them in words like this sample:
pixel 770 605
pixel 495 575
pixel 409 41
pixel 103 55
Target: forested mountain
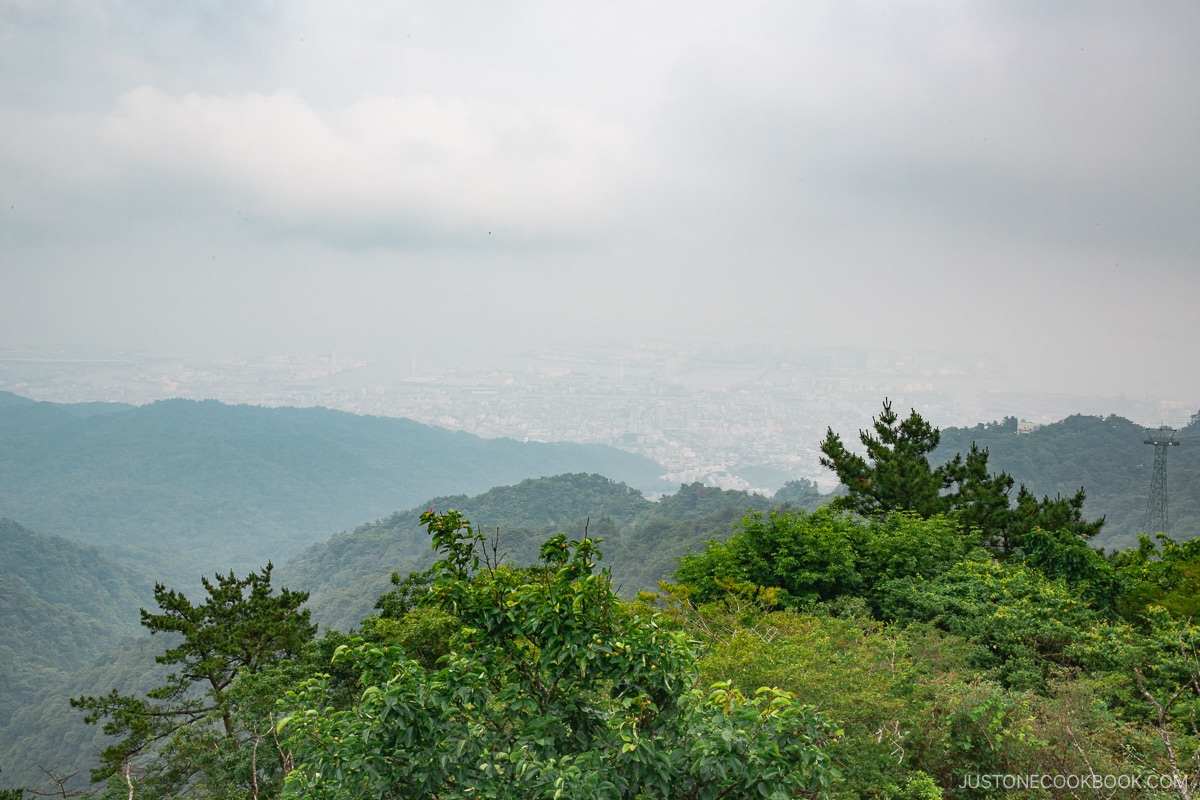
pixel 643 539
pixel 189 487
pixel 238 486
pixel 90 409
pixel 46 733
pixel 1106 456
pixel 62 606
pixel 68 613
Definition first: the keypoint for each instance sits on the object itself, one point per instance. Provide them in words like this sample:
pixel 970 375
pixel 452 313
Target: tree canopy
pixel 552 688
pixel 896 475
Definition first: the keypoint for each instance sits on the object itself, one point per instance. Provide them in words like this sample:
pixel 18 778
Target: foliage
pixel 903 546
pixel 1168 681
pixel 1151 676
pixel 552 687
pixel 1023 624
pixel 538 502
pixel 808 557
pixel 405 595
pixel 206 723
pixel 896 475
pixel 825 555
pixel 931 660
pixel 695 500
pixel 62 605
pixel 1105 454
pixel 916 718
pixel 800 493
pixel 855 670
pixel 1062 555
pixel 1165 574
pixel 643 539
pixel 1058 514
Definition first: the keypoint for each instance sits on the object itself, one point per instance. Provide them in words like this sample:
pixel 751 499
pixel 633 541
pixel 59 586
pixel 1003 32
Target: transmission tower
pixel 1156 504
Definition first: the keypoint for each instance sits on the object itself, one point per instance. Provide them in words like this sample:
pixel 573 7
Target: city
pixel 733 416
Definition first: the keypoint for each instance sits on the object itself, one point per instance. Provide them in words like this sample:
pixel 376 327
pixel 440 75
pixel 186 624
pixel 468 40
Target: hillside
pixel 191 487
pixel 70 615
pixel 643 539
pixel 63 606
pixel 47 732
pixel 183 488
pixel 1105 455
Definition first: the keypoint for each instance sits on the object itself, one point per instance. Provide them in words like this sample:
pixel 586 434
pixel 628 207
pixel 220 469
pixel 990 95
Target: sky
pixel 461 180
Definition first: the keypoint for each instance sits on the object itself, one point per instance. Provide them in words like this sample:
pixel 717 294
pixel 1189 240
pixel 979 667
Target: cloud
pixel 963 121
pixel 921 172
pixel 437 167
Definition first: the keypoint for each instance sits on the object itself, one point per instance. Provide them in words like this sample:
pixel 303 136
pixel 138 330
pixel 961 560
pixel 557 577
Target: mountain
pixel 188 487
pixel 642 539
pixel 1106 456
pixel 63 606
pixel 89 409
pixel 70 615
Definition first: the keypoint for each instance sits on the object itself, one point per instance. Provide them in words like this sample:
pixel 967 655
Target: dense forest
pixel 187 487
pixel 941 625
pixel 1106 456
pixel 345 576
pixel 63 605
pixel 642 539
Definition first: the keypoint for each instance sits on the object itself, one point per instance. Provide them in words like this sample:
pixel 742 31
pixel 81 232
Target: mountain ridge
pixel 195 486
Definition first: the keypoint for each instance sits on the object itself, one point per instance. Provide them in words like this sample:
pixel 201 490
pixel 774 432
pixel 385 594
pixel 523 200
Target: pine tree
pixel 196 721
pixel 896 475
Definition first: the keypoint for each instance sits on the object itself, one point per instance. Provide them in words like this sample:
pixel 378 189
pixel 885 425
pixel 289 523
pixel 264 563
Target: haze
pixel 464 179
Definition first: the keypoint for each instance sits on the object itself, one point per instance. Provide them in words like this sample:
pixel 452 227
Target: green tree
pixel 895 475
pixel 1060 554
pixel 205 725
pixel 1163 573
pixel 1023 625
pixel 912 709
pixel 1152 676
pixel 808 557
pixel 552 688
pixel 1168 681
pixel 801 493
pixel 422 630
pixel 1049 513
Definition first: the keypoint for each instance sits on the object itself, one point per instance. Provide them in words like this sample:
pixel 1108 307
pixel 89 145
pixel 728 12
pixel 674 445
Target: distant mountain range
pixel 190 487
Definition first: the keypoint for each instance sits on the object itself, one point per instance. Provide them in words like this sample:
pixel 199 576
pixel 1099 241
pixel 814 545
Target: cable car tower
pixel 1156 503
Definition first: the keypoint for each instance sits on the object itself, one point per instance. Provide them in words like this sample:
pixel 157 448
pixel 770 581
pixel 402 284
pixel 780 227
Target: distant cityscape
pixel 734 416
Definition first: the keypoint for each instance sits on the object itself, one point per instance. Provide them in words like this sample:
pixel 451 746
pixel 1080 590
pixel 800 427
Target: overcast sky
pixel 461 179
